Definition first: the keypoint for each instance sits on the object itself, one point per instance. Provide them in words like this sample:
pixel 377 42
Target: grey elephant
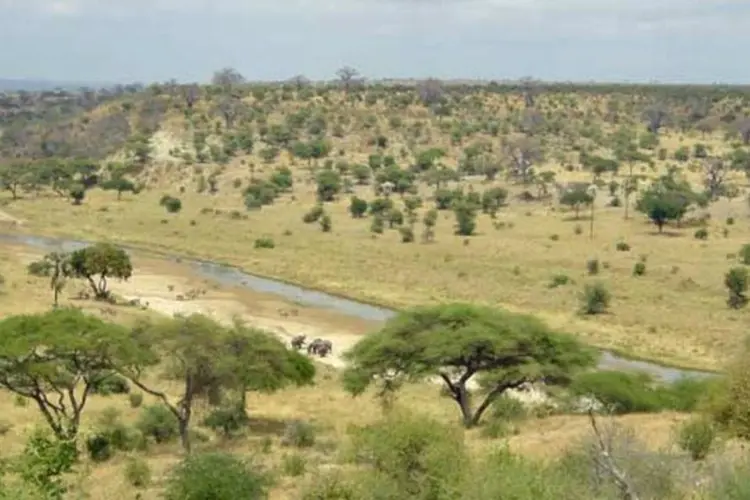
pixel 298 342
pixel 320 347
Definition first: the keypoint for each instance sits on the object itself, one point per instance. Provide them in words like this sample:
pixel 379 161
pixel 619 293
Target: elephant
pixel 320 347
pixel 298 342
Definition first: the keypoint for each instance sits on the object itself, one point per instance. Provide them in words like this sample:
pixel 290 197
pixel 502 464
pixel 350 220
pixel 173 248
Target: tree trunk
pixel 627 188
pixel 184 423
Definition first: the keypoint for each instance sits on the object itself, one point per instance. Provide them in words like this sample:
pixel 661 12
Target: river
pixel 232 276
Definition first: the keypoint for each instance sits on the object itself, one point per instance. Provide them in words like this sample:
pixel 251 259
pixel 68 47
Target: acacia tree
pixel 56 358
pixel 104 260
pixel 458 342
pixel 577 196
pixel 260 362
pixel 666 200
pixel 208 359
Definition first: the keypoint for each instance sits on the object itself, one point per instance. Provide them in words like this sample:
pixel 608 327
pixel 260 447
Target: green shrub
pixel 509 409
pixel 559 280
pixel 298 434
pixel 264 242
pixel 172 204
pixel 137 473
pixel 313 214
pixel 701 234
pixel 744 254
pixel 595 299
pixel 294 465
pixel 118 436
pixel 99 448
pixel 158 423
pixel 697 437
pixel 110 384
pixel 326 224
pixel 411 456
pixel 619 392
pixel 630 392
pixel 622 246
pixel 135 399
pixel 592 266
pixel 228 420
pixel 639 269
pixel 216 476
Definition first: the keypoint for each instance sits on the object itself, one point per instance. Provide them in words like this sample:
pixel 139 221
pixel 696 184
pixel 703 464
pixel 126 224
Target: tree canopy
pixel 56 358
pixel 457 342
pixel 667 199
pixel 104 260
pixel 210 360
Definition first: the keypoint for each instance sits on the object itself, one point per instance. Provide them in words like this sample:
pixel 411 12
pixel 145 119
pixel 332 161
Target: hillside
pixel 615 213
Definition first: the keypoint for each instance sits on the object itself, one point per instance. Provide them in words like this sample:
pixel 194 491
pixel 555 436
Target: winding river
pixel 231 276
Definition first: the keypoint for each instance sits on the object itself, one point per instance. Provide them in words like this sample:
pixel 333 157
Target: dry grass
pixel 676 313
pixel 325 405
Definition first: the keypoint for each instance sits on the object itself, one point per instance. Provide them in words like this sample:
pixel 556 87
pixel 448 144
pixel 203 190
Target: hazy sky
pixel 147 40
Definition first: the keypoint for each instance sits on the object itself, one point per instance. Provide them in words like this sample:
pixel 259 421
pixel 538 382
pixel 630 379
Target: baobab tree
pixel 348 77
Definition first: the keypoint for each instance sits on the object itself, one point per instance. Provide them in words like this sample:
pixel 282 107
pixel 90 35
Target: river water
pixel 232 276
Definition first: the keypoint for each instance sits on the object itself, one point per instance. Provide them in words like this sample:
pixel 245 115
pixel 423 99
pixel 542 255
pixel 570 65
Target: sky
pixel 690 41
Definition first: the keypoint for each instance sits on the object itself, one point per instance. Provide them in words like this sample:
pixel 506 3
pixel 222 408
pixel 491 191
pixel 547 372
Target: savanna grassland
pixel 617 214
pixel 207 145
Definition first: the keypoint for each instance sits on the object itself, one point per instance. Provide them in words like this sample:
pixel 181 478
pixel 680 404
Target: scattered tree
pixel 55 359
pixel 458 342
pixel 99 262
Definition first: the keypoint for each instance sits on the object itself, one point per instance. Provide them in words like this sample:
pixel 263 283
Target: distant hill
pixel 11 84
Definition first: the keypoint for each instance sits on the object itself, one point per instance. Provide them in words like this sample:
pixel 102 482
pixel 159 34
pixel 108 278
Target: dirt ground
pixel 171 288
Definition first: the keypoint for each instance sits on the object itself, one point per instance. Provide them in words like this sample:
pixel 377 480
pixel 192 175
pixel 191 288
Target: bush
pixel 216 476
pixel 299 434
pixel 377 225
pixel 595 299
pixel 639 269
pixel 137 473
pixel 99 448
pixel 228 420
pixel 172 204
pixel 43 268
pixel 592 266
pixel 411 456
pixel 135 399
pixel 559 280
pixel 158 423
pixel 628 392
pixel 697 437
pixel 619 392
pixel 110 384
pixel 407 234
pixel 358 207
pixel 264 242
pixel 117 435
pixel 744 254
pixel 326 224
pixel 701 234
pixel 736 281
pixel 313 214
pixel 294 465
pixel 622 246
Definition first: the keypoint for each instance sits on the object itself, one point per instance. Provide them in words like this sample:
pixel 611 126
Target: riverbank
pixel 338 306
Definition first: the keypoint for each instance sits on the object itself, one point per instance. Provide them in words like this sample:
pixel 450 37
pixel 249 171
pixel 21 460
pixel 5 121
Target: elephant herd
pixel 321 347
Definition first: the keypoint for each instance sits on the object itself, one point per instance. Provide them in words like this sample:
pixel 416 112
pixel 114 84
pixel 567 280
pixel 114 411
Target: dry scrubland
pixel 231 172
pixel 325 406
pixel 675 313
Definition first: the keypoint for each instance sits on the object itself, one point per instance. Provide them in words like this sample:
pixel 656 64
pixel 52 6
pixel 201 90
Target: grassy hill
pixel 617 213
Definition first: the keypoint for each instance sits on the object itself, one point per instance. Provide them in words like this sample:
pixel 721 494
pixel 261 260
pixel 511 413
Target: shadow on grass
pixel 667 234
pixel 268 426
